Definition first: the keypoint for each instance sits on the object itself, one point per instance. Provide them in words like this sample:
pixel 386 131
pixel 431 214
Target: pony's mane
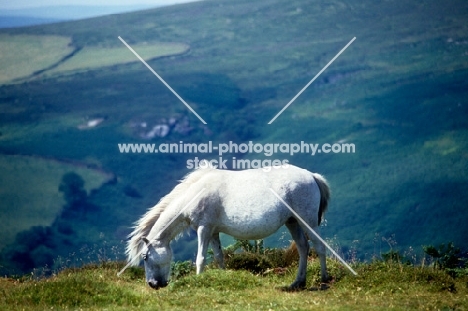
pixel 143 226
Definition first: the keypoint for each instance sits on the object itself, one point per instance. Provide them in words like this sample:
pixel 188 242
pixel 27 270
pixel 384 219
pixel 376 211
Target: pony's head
pixel 157 261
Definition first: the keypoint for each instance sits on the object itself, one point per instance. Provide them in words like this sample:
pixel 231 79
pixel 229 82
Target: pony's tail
pixel 324 195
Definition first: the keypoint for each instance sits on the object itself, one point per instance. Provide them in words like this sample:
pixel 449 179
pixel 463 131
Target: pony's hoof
pixel 323 286
pixel 294 287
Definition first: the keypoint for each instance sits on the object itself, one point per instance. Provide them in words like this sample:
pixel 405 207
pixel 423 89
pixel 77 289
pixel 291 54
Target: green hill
pixel 398 93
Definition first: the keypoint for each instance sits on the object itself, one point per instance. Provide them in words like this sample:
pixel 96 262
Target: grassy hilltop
pixel 71 92
pixel 379 286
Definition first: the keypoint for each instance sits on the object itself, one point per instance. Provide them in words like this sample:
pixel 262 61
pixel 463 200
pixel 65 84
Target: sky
pixel 21 4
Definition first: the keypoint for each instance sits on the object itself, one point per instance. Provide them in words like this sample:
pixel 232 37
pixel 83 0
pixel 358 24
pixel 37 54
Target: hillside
pixel 71 92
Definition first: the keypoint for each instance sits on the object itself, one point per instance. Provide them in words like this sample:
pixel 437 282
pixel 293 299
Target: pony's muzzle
pixel 156 284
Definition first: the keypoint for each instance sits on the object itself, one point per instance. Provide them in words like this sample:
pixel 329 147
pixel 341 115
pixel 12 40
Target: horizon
pixel 25 5
pixel 25 13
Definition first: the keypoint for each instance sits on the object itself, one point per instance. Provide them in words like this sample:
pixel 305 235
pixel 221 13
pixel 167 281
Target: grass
pixel 398 92
pixel 379 286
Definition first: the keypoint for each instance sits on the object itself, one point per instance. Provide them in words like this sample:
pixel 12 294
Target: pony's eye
pixel 144 256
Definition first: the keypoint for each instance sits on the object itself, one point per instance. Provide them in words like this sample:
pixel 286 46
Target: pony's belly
pixel 250 228
pixel 249 235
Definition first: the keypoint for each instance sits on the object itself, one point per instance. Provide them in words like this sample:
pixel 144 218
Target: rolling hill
pixel 72 92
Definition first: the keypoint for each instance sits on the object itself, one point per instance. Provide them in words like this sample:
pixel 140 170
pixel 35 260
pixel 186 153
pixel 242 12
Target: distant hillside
pixel 72 91
pixel 21 21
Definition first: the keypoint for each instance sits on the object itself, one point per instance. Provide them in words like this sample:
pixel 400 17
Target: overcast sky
pixel 21 4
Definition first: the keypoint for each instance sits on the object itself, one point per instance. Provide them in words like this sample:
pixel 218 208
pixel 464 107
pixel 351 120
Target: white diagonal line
pixel 313 231
pixel 167 225
pixel 161 79
pixel 313 79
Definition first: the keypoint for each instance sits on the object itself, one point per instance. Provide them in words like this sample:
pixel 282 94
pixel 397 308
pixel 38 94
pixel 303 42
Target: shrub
pixel 253 262
pixel 181 268
pixel 445 256
pixel 253 257
pixel 448 258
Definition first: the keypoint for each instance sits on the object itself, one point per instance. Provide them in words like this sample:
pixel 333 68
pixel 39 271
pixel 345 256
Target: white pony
pixel 242 204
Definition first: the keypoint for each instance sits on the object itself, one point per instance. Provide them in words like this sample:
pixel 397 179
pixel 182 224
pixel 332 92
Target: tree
pixel 72 187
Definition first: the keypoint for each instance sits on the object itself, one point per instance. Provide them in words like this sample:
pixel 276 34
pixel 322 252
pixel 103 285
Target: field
pixel 398 93
pixel 36 206
pixel 52 55
pixel 17 65
pixel 96 57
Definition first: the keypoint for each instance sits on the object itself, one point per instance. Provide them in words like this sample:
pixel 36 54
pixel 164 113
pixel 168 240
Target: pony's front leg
pixel 203 243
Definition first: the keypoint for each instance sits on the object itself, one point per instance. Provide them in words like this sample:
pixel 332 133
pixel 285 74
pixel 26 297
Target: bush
pixel 253 257
pixel 256 263
pixel 181 268
pixel 445 256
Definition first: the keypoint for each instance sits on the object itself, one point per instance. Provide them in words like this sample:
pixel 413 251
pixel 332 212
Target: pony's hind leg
pixel 303 248
pixel 217 250
pixel 321 252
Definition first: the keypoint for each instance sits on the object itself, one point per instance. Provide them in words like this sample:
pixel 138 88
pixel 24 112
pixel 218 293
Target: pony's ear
pixel 145 240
